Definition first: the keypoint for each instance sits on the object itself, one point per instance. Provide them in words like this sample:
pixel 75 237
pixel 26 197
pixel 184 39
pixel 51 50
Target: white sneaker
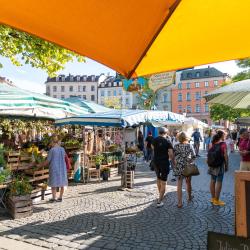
pixel 160 204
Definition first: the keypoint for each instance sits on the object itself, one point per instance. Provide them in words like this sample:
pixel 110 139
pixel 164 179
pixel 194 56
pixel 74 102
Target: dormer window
pixel 85 78
pixel 93 78
pixel 78 78
pixel 197 74
pixel 63 78
pixel 71 78
pixel 57 79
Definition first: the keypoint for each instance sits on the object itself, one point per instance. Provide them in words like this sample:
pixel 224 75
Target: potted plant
pixel 19 200
pixel 105 173
pixel 98 160
pixel 5 174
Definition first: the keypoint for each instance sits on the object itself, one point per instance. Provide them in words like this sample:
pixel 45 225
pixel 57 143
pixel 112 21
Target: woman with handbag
pixel 184 156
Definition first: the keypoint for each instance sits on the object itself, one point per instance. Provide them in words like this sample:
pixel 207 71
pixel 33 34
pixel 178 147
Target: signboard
pixel 218 241
pixel 135 85
pixel 161 80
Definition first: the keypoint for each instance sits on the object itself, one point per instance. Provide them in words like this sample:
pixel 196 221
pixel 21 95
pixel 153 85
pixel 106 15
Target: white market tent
pixel 123 118
pixel 18 102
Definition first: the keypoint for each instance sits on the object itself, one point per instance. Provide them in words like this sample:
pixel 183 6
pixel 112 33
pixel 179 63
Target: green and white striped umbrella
pixel 235 95
pixel 18 102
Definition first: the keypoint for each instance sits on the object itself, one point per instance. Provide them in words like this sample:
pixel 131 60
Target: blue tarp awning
pixel 122 118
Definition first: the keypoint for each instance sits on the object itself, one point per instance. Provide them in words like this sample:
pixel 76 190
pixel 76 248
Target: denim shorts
pixel 220 175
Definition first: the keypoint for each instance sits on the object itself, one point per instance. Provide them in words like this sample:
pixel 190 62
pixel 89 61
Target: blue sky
pixel 33 79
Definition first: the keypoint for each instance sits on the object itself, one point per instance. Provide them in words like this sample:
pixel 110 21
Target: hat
pixel 163 130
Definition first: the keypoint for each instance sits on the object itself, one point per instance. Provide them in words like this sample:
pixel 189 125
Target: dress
pixel 184 153
pixel 57 167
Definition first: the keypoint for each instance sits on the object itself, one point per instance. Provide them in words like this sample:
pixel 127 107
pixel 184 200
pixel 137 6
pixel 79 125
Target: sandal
pixel 180 206
pixel 59 200
pixel 52 200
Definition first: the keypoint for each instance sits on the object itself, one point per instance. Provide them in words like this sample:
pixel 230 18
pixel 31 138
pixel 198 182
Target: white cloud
pixel 29 85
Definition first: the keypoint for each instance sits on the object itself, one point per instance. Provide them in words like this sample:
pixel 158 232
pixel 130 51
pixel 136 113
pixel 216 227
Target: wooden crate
pixel 38 175
pixel 130 179
pixel 113 172
pixel 13 160
pixel 37 194
pixel 20 206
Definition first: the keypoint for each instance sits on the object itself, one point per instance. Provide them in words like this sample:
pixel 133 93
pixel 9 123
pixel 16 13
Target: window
pixel 120 84
pixel 206 107
pixel 180 109
pixel 84 97
pixel 206 84
pixel 179 97
pixel 92 88
pixel 197 85
pixel 63 78
pixel 57 79
pixel 93 78
pixel 55 96
pixel 180 85
pixel 189 75
pixel 188 85
pixel 197 74
pixel 62 88
pixel 62 96
pixel 109 93
pixel 71 88
pixel 188 97
pixel 71 78
pixel 102 92
pixel 92 97
pixel 197 108
pixel 197 96
pixel 109 84
pixel 215 83
pixel 189 109
pixel 120 91
pixel 114 93
pixel 115 84
pixel 206 73
pixel 127 101
pixel 83 88
pixel 78 78
pixel 165 98
pixel 54 88
pixel 79 88
pixel 48 89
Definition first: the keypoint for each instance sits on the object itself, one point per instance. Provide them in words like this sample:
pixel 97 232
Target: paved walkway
pixel 98 216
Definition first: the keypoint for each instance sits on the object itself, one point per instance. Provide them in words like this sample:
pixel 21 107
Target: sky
pixel 33 79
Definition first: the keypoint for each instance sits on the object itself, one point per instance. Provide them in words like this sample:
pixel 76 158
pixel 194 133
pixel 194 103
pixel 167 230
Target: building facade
pixel 188 92
pixel 84 87
pixel 164 99
pixel 111 93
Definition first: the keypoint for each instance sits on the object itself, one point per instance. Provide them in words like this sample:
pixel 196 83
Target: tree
pixel 21 47
pixel 222 112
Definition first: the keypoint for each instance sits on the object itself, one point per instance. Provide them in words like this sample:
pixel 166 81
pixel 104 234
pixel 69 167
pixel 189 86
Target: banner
pixel 161 80
pixel 134 85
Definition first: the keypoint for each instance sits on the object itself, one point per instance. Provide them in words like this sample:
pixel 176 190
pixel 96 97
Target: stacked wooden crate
pixel 13 160
pixel 20 206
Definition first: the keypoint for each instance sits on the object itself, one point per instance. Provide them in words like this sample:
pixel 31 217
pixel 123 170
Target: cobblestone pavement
pixel 98 216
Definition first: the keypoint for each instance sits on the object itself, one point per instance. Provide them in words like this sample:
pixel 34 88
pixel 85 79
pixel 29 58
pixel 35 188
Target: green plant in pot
pixel 105 173
pixel 98 160
pixel 5 174
pixel 20 186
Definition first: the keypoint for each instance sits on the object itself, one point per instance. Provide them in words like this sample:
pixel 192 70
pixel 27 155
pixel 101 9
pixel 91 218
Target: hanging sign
pixel 161 80
pixel 134 85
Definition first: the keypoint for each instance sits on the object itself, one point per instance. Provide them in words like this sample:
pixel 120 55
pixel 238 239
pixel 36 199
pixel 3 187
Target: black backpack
pixel 215 158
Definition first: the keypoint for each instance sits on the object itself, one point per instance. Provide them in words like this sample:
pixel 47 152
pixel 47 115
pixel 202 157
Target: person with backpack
pixel 217 160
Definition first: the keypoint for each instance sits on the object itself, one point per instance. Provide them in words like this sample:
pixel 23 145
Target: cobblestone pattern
pixel 97 216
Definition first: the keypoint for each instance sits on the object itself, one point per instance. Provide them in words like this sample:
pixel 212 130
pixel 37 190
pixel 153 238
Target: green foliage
pixel 241 76
pixel 98 159
pixel 223 112
pixel 20 186
pixel 243 63
pixel 21 47
pixel 4 175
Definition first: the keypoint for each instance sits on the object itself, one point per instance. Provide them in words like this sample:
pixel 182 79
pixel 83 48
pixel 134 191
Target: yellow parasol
pixel 138 36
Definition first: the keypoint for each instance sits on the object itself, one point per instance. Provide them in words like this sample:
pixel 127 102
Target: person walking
pixel 184 155
pixel 244 149
pixel 208 140
pixel 218 164
pixel 57 169
pixel 197 139
pixel 149 149
pixel 163 152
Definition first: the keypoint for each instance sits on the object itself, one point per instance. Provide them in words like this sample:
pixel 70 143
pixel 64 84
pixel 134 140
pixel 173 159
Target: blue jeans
pixel 149 154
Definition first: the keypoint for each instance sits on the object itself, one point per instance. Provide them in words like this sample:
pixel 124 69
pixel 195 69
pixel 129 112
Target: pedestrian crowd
pixel 175 152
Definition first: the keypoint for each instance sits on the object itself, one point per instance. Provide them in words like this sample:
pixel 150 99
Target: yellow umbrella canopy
pixel 138 36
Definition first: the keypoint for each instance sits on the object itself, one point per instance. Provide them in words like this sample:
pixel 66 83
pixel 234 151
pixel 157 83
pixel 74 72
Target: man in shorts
pixel 163 151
